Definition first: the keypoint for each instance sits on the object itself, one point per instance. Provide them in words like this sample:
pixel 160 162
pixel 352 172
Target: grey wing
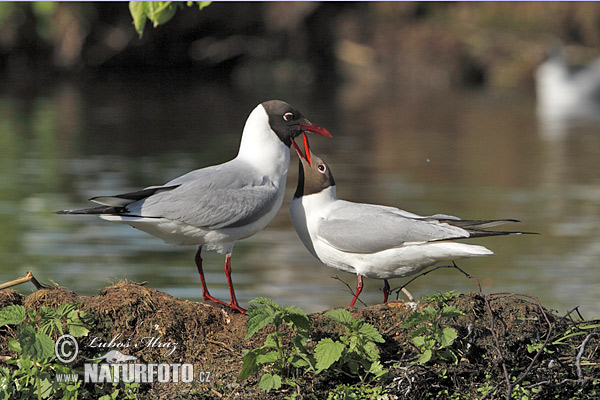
pixel 232 200
pixel 365 228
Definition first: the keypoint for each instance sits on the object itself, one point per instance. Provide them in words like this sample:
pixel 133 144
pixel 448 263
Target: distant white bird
pixel 218 205
pixel 375 241
pixel 567 92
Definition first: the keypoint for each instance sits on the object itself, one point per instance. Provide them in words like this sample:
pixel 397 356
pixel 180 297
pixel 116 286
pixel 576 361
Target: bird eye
pixel 288 116
pixel 322 168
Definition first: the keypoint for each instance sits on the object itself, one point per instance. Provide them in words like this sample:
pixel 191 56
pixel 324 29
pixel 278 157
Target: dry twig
pixel 27 278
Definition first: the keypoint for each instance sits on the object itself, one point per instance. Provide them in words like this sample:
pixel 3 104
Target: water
pixel 475 154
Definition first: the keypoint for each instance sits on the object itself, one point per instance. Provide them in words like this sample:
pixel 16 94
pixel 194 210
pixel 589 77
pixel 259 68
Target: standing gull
pixel 218 205
pixel 375 241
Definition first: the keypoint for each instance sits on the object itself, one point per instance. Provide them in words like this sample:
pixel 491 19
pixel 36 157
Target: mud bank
pixel 505 342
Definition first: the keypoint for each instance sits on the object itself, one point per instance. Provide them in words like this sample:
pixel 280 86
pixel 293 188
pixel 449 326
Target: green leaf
pixel 370 351
pixel 202 4
pixel 160 12
pixel 270 357
pixel 270 341
pixel 419 341
pixel 77 329
pixel 370 332
pixel 418 331
pixel 299 342
pixel 297 317
pixel 87 319
pixel 75 325
pixel 249 366
pixel 447 337
pixel 138 13
pixel 415 319
pixel 430 311
pixel 450 312
pixel 38 346
pixel 14 345
pixel 45 388
pixel 340 315
pixel 327 352
pixel 377 369
pixel 66 309
pixel 268 382
pixel 12 315
pixel 425 356
pixel 266 302
pixel 353 367
pixel 258 318
pixel 298 361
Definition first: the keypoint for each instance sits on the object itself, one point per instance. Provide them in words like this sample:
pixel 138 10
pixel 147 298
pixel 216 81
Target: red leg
pixel 359 286
pixel 205 294
pixel 233 304
pixel 386 290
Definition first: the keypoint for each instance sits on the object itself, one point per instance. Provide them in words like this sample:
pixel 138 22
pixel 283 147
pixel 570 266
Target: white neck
pixel 320 201
pixel 261 147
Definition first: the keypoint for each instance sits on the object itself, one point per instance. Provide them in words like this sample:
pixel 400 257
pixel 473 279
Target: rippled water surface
pixel 475 154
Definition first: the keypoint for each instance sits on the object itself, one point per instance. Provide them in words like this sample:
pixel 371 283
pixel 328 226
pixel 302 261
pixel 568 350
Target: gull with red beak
pixel 375 241
pixel 216 206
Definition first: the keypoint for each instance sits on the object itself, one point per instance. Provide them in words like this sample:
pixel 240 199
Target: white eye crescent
pixel 288 116
pixel 322 168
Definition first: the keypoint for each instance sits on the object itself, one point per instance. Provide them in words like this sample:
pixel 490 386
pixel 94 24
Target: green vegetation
pixel 273 353
pixel 431 337
pixel 572 331
pixel 355 354
pixel 359 392
pixel 32 372
pixel 159 12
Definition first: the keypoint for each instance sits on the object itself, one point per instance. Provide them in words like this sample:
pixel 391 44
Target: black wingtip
pixel 93 211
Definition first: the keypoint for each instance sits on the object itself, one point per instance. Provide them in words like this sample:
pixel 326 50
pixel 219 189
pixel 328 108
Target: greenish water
pixel 473 154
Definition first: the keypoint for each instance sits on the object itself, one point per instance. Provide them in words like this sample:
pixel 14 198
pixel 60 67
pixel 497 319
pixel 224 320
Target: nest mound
pixel 501 338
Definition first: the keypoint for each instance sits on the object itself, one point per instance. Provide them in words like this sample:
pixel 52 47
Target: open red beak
pixel 306 154
pixel 310 127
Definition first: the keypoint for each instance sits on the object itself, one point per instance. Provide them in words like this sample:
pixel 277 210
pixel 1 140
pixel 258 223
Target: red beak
pixel 307 147
pixel 310 127
pixel 306 154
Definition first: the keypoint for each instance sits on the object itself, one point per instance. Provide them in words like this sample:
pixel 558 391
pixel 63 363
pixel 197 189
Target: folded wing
pixel 365 228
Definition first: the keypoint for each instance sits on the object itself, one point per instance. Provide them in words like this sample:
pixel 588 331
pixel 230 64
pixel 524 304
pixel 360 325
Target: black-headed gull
pixel 375 241
pixel 213 207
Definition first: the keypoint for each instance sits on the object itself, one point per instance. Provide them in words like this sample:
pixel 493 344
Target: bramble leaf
pixel 297 317
pixel 38 346
pixel 327 352
pixel 415 319
pixel 138 13
pixel 425 356
pixel 340 315
pixel 370 332
pixel 12 315
pixel 258 318
pixel 450 312
pixel 268 382
pixel 249 366
pixel 268 358
pixel 447 337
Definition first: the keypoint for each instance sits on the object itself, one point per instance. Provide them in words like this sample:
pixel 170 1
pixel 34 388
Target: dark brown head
pixel 287 122
pixel 314 175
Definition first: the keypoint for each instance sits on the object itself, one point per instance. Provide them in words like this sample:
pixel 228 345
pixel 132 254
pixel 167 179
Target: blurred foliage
pixel 427 44
pixel 159 12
